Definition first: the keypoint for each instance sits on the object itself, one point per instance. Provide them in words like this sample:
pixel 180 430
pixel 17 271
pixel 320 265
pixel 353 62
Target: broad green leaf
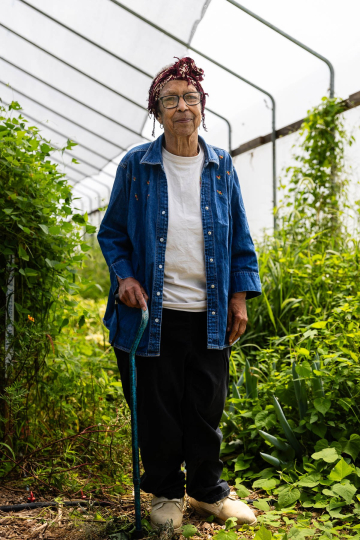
pixel 230 523
pixel 45 148
pixel 265 419
pixel 25 229
pixel 319 428
pixel 302 351
pixel 241 465
pixel 263 534
pixel 226 535
pixel 55 229
pixel 262 505
pixel 346 491
pixel 352 446
pixel 322 404
pixel 23 254
pixel 80 219
pixel 319 324
pixel 310 480
pixel 304 369
pixel 44 228
pixel 321 444
pixel 265 483
pixel 28 272
pixel 298 533
pixel 242 491
pixel 341 470
pixel 327 454
pixel 288 497
pixel 329 493
pixel 64 322
pixel 189 530
pixel 90 229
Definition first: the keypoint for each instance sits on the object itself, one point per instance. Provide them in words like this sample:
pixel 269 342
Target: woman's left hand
pixel 237 316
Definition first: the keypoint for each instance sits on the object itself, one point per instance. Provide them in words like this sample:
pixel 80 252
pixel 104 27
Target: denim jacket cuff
pixel 123 269
pixel 245 281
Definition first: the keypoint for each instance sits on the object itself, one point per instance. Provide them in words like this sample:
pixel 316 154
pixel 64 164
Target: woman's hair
pixel 183 69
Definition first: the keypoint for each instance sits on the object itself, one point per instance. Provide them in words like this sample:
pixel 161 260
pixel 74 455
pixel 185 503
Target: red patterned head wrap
pixel 184 68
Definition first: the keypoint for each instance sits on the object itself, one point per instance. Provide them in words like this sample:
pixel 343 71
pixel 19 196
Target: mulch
pixel 89 523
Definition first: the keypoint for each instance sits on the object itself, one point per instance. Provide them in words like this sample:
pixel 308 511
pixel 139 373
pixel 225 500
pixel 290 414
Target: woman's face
pixel 183 120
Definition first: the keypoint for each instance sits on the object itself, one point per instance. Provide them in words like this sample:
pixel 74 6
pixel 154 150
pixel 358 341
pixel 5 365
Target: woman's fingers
pixel 237 318
pixel 132 294
pixel 235 330
pixel 140 298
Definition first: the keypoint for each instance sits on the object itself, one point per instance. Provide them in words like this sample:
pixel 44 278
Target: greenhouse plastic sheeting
pixel 67 104
pixel 88 109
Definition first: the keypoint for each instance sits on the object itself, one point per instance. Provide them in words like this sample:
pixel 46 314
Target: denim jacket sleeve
pixel 112 236
pixel 244 273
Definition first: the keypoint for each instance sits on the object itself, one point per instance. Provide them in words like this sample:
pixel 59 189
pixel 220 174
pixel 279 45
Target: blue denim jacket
pixel 133 235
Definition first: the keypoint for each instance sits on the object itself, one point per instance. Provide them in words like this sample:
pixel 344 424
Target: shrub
pixel 295 402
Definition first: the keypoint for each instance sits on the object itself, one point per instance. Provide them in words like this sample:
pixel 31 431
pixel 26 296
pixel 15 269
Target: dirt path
pixel 65 523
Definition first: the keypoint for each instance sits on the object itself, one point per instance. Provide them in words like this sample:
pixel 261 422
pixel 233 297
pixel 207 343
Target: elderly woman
pixel 175 236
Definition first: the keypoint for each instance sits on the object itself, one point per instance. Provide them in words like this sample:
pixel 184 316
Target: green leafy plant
pixel 64 424
pixel 303 341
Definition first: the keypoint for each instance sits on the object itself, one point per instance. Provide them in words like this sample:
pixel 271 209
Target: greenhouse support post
pixel 287 36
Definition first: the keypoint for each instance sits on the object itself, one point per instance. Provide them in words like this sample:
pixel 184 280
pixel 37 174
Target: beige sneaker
pixel 224 509
pixel 164 509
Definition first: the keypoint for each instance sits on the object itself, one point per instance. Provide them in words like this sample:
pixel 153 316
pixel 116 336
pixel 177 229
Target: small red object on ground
pixel 32 497
pixel 82 495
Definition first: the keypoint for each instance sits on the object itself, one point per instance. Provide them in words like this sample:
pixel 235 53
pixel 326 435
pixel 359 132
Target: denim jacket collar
pixel 153 155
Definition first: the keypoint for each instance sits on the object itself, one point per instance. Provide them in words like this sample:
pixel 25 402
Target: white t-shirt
pixel 184 274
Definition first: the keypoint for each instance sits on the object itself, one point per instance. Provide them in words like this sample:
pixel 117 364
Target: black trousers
pixel 181 397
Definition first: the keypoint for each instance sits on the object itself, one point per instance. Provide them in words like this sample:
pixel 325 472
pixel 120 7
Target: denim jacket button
pixel 160 266
pixel 211 260
pixel 213 313
pixel 156 320
pixel 163 212
pixel 161 239
pixel 209 232
pixel 157 294
pixel 206 208
pixel 213 286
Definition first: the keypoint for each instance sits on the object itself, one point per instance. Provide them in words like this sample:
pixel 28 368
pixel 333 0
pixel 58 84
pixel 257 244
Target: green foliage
pixel 189 530
pixel 77 426
pixel 64 423
pixel 41 243
pixel 95 274
pixel 303 342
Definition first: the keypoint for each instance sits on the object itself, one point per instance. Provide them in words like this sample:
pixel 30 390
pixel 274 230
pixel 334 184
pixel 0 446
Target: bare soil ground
pixel 90 523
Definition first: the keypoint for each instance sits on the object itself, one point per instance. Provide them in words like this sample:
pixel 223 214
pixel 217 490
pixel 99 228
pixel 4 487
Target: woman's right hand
pixel 132 294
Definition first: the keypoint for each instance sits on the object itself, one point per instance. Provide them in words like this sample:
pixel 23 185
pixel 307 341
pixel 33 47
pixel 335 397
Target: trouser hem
pixel 215 498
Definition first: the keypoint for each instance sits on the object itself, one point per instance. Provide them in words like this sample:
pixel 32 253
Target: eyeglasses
pixel 190 98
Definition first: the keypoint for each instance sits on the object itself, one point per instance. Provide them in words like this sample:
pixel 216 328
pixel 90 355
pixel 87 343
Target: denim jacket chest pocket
pixel 221 200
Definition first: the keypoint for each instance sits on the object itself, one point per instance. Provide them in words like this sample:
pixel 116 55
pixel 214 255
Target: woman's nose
pixel 182 105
